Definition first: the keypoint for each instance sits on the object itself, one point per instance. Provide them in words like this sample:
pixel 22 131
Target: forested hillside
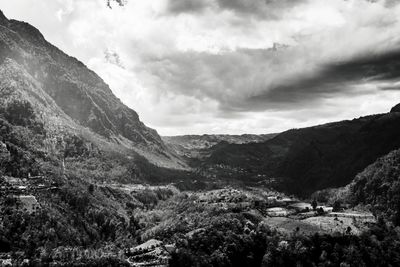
pixel 83 182
pixel 378 186
pixel 302 161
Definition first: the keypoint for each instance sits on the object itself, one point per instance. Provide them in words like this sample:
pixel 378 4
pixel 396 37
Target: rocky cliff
pixel 67 95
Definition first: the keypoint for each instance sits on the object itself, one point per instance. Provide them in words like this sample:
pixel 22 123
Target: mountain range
pixel 67 97
pixel 302 161
pixel 92 179
pixel 195 146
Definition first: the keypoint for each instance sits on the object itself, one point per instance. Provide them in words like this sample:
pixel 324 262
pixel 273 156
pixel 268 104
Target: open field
pixel 319 224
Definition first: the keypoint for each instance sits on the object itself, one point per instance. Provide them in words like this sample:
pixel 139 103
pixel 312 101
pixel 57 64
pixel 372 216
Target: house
pixel 277 212
pixel 151 253
pixel 301 206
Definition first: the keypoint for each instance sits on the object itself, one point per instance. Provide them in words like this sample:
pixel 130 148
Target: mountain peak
pixel 27 31
pixel 3 18
pixel 395 109
pixel 77 92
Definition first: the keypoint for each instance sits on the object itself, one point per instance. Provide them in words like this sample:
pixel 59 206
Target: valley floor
pixel 162 217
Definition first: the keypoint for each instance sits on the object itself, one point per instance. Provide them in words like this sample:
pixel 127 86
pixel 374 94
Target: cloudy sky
pixel 232 66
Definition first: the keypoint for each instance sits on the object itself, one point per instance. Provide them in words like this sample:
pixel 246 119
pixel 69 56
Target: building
pixel 151 253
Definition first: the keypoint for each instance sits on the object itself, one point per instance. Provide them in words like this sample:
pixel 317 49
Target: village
pixel 289 214
pixel 286 214
pixel 151 253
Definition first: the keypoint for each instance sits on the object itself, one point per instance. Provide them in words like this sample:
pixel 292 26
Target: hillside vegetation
pixel 378 186
pixel 83 180
pixel 302 161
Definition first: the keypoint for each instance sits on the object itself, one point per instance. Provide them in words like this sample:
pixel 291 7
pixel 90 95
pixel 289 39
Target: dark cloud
pixel 187 6
pixel 267 9
pixel 394 87
pixel 391 3
pixel 239 81
pixel 270 9
pixel 333 79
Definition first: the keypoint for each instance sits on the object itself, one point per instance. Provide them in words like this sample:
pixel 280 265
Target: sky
pixel 232 66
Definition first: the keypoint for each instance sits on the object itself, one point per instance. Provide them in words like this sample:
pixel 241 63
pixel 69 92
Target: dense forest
pixel 312 156
pixel 77 211
pixel 378 186
pixel 226 245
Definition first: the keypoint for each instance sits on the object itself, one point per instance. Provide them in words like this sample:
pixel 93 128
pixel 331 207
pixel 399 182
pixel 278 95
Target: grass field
pixel 319 224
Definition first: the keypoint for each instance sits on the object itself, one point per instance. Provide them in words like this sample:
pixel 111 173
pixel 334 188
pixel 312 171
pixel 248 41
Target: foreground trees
pixel 378 247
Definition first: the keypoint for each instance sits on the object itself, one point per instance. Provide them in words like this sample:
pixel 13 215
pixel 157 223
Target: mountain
pixel 395 108
pixel 61 97
pixel 301 161
pixel 65 141
pixel 83 182
pixel 196 146
pixel 379 187
pixel 67 96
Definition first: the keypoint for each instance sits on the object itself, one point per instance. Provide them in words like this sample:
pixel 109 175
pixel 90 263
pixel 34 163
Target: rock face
pixel 56 83
pixel 395 109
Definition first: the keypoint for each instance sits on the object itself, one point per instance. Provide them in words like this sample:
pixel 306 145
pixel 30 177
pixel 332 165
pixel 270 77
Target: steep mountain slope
pixel 395 108
pixel 305 160
pixel 65 139
pixel 66 94
pixel 379 186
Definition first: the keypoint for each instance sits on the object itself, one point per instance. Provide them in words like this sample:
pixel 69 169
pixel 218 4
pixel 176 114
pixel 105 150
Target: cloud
pixel 264 9
pixel 342 78
pixel 187 6
pixel 113 58
pixel 215 66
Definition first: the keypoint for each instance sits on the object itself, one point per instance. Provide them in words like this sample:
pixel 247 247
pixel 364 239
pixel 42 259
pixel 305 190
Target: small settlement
pixel 151 253
pixel 288 214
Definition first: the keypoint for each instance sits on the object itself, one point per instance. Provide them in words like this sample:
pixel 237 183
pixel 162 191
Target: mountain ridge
pixel 78 91
pixel 305 160
pixel 197 146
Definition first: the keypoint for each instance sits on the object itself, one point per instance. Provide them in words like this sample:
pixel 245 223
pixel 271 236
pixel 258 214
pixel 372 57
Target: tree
pixel 320 211
pixel 134 225
pixel 19 113
pixel 4 156
pixel 348 230
pixel 314 204
pixel 91 188
pixel 337 206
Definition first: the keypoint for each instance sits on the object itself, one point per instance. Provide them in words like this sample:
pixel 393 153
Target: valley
pixel 84 182
pixel 199 146
pixel 163 215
